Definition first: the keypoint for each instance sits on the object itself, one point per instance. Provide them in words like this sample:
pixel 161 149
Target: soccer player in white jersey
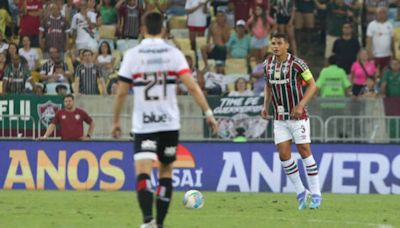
pixel 153 68
pixel 284 74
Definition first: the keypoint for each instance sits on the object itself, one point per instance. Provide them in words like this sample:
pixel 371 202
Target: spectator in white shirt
pixel 213 83
pixel 30 54
pixel 380 39
pixel 196 19
pixel 105 59
pixel 83 25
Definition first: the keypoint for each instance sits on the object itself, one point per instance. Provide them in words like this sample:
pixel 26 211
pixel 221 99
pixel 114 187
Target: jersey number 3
pixel 153 79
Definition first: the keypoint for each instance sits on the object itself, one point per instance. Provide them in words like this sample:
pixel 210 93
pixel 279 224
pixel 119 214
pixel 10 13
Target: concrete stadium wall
pixel 100 108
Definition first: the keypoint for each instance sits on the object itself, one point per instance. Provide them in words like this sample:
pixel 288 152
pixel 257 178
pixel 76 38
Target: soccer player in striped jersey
pixel 153 68
pixel 284 74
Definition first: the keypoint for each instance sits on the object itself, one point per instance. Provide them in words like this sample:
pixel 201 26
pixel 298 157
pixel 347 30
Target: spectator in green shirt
pixel 240 137
pixel 239 42
pixel 108 12
pixel 333 81
pixel 390 86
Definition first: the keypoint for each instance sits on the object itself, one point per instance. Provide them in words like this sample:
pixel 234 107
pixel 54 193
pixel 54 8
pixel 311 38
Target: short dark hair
pixel 332 60
pixel 280 36
pixel 69 96
pixel 61 86
pixel 153 22
pixel 87 50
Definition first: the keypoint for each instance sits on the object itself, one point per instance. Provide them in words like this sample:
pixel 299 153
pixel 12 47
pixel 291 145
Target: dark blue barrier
pixel 255 167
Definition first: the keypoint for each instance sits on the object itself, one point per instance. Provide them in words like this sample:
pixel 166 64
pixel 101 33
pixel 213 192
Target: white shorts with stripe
pixel 297 130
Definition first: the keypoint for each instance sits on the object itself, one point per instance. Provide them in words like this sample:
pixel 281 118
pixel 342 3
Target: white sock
pixel 292 171
pixel 312 174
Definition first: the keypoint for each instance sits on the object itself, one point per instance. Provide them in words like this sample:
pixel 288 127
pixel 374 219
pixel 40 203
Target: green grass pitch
pixel 120 209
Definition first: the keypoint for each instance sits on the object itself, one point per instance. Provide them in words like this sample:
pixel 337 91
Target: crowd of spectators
pixel 75 46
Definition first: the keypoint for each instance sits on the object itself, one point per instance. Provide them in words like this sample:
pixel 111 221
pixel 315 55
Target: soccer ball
pixel 193 199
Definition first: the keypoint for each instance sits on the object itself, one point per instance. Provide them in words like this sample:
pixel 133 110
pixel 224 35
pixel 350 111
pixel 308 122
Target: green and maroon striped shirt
pixel 285 80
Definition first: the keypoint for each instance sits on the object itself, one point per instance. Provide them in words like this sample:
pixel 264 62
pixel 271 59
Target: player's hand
pixel 116 130
pixel 213 124
pixel 264 113
pixel 297 111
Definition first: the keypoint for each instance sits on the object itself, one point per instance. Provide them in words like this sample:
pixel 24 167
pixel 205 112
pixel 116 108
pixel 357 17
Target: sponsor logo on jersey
pixel 279 82
pixel 153 118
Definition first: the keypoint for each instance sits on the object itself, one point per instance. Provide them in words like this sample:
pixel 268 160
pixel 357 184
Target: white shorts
pixel 285 130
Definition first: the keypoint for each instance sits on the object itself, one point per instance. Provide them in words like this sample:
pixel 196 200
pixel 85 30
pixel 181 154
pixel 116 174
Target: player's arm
pixel 92 125
pixel 305 73
pixel 49 131
pixel 311 87
pixel 123 88
pixel 267 101
pixel 195 91
pixel 310 91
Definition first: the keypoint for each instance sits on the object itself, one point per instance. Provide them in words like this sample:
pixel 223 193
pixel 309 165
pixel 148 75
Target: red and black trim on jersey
pixel 285 81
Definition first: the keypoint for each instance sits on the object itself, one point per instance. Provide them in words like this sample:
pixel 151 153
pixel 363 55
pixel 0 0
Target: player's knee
pixel 284 156
pixel 304 150
pixel 143 166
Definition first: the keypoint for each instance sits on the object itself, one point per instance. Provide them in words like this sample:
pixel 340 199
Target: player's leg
pixel 309 24
pixel 289 29
pixel 299 26
pixel 167 155
pixel 312 174
pixel 290 165
pixel 164 192
pixel 301 133
pixel 283 139
pixel 145 153
pixel 192 38
pixel 205 52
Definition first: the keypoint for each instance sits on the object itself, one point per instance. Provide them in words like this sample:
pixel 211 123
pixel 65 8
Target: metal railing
pixel 267 135
pixel 17 126
pixel 352 129
pixel 363 129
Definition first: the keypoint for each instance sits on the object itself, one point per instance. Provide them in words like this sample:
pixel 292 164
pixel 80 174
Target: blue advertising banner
pixel 250 167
